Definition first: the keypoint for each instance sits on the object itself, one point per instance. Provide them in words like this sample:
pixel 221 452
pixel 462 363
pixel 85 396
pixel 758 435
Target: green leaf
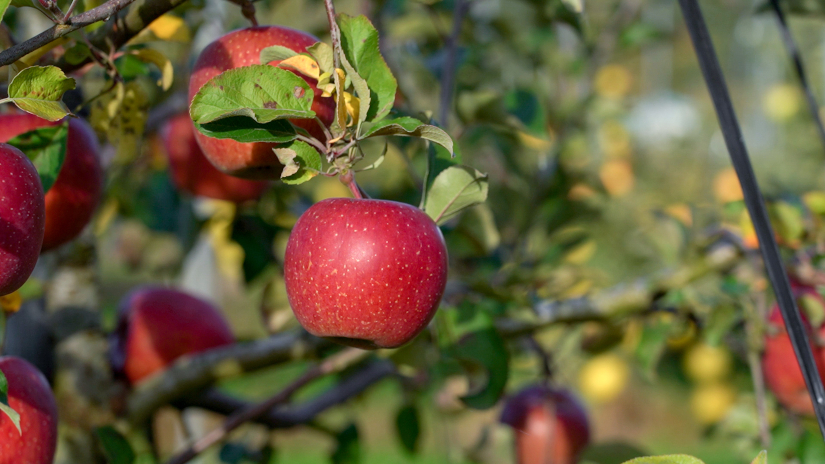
pixel 652 344
pixel 77 54
pixel 116 448
pixel 246 130
pixel 46 148
pixel 4 5
pixel 409 127
pixel 454 189
pixel 438 159
pixel 483 354
pixel 670 459
pixel 4 399
pixel 762 458
pixel 38 90
pixel 276 53
pixel 408 426
pixel 301 162
pixel 361 89
pixel 323 54
pixel 348 450
pixel 359 40
pixel 261 92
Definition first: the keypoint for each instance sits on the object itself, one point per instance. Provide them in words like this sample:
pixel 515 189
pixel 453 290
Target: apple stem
pixel 248 10
pixel 348 179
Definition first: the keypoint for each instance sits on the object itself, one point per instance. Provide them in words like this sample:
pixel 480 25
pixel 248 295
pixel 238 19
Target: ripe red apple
pixel 779 364
pixel 551 425
pixel 366 273
pixel 32 398
pixel 22 218
pixel 242 48
pixel 158 325
pixel 193 173
pixel 76 192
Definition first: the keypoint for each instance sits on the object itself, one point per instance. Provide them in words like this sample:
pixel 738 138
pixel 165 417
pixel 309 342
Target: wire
pixel 715 81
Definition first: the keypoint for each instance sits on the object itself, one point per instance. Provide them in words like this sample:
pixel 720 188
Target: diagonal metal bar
pixel 793 50
pixel 715 81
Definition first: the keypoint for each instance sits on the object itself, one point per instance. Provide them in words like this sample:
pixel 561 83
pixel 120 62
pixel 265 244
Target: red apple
pixel 193 173
pixel 367 273
pixel 243 48
pixel 551 425
pixel 22 218
pixel 779 364
pixel 76 192
pixel 31 397
pixel 158 325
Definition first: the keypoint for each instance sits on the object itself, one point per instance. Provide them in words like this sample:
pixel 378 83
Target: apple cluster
pixel 363 272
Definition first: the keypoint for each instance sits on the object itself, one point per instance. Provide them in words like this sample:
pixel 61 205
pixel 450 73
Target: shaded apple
pixel 551 425
pixel 156 326
pixel 32 398
pixel 73 198
pixel 22 218
pixel 242 48
pixel 780 367
pixel 193 173
pixel 367 273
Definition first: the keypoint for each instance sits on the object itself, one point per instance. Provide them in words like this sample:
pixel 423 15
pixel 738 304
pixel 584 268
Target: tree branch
pixel 335 363
pixel 292 415
pixel 193 373
pixel 57 31
pixel 448 70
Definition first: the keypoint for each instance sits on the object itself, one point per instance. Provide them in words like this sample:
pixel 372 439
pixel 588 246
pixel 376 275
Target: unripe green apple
pixel 367 273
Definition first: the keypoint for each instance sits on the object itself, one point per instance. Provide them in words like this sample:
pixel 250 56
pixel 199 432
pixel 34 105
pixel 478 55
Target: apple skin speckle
pixel 366 273
pixel 22 218
pixel 32 398
pixel 243 48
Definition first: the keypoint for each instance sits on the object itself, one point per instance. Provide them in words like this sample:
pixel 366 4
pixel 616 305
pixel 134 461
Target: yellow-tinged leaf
pixel 580 192
pixel 581 253
pixel 106 216
pixel 749 237
pixel 172 28
pixel 726 186
pixel 11 303
pixel 681 212
pixel 613 81
pixel 782 102
pixel 617 177
pixel 158 59
pixel 614 140
pixel 533 142
pixel 815 201
pixel 303 64
pixel 229 254
pixel 353 107
pixel 120 115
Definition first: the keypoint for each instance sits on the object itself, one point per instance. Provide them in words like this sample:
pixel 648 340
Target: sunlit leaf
pixel 359 40
pixel 323 56
pixel 670 459
pixel 276 53
pixel 409 127
pixel 301 162
pixel 38 90
pixel 261 92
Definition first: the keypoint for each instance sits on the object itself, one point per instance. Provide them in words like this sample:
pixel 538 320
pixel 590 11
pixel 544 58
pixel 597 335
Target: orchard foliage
pixel 574 276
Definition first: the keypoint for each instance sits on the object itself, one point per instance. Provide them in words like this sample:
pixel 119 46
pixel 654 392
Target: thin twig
pixel 448 70
pixel 754 315
pixel 296 414
pixel 57 31
pixel 332 364
pixel 334 32
pixel 793 50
